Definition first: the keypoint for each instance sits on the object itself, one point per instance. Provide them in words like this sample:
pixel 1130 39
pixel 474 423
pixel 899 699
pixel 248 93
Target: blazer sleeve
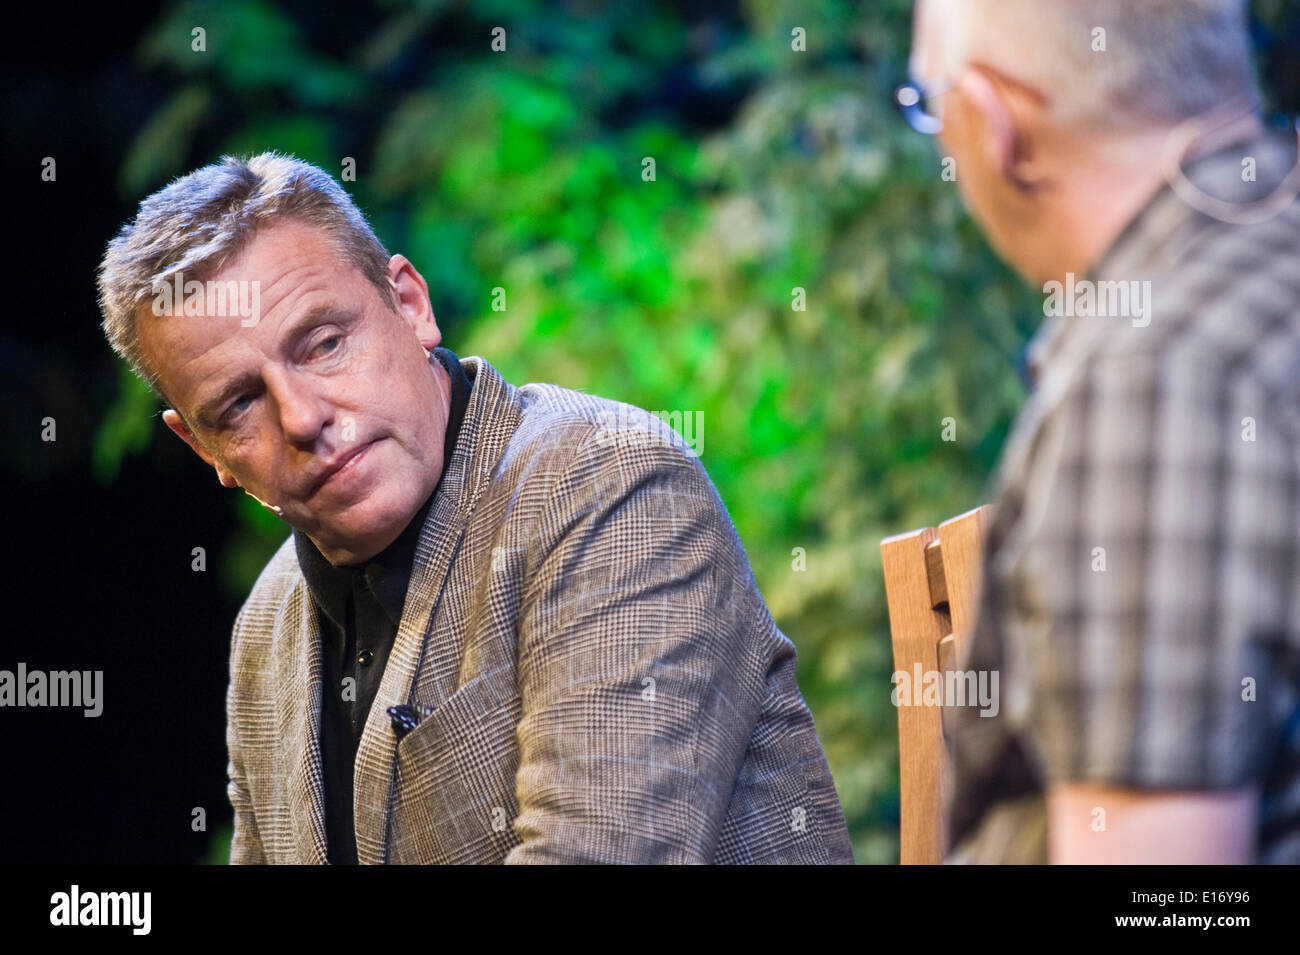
pixel 245 845
pixel 642 661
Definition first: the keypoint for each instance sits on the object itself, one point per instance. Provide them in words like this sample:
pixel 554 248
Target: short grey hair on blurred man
pixel 1104 64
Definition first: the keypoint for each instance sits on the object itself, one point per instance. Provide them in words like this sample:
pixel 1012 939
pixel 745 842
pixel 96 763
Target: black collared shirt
pixel 361 609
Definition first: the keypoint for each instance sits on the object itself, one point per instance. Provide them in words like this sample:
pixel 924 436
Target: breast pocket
pixel 455 790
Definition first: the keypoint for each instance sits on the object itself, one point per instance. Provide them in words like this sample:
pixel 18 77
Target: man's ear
pixel 994 129
pixel 177 424
pixel 411 294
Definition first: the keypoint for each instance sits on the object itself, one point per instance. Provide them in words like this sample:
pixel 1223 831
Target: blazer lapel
pixel 298 670
pixel 491 418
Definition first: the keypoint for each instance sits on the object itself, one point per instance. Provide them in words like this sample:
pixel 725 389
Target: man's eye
pixel 332 338
pixel 235 407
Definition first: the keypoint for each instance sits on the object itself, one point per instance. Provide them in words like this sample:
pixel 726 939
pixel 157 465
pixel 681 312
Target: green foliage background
pixel 523 170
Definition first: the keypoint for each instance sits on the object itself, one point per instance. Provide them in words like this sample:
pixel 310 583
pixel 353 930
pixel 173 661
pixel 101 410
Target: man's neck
pixel 1109 184
pixel 1104 190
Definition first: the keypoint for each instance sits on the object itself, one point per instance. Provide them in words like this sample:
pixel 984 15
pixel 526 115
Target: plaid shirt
pixel 1142 572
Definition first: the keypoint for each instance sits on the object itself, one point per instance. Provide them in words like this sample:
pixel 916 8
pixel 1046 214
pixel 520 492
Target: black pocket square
pixel 407 716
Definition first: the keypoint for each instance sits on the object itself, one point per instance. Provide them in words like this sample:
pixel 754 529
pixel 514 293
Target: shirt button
pixel 365 656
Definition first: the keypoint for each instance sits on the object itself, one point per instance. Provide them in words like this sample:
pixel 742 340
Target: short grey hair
pixel 1164 60
pixel 199 223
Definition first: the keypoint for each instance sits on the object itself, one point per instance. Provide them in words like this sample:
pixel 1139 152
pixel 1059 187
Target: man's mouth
pixel 341 462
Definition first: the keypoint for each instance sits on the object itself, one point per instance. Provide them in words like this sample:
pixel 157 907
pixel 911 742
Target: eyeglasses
pixel 913 102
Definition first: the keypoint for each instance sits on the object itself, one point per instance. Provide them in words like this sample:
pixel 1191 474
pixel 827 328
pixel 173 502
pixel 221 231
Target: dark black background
pixel 95 577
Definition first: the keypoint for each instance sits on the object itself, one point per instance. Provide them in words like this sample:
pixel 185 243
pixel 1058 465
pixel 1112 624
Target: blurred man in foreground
pixel 1142 573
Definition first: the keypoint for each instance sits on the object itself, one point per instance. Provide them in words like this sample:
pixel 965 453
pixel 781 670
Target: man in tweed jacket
pixel 583 669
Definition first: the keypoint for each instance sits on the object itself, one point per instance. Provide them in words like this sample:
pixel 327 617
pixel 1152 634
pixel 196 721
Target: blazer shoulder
pixel 275 582
pixel 561 420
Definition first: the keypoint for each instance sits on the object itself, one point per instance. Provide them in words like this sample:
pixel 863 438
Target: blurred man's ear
pixel 177 424
pixel 992 124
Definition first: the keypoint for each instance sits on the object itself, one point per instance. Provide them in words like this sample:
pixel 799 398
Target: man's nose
pixel 302 411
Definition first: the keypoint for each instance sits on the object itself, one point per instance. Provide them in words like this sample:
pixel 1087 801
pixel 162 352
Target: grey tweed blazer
pixel 602 679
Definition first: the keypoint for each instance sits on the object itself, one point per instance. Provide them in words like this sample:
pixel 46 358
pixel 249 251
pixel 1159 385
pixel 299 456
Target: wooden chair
pixel 932 578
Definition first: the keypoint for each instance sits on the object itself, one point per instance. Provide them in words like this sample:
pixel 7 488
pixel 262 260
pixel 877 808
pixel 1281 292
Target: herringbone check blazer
pixel 604 681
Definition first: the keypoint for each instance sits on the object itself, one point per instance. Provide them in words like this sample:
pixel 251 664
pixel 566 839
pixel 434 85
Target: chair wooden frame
pixel 932 580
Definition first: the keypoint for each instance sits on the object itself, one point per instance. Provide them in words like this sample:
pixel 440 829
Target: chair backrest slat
pixel 916 632
pixel 934 572
pixel 932 578
pixel 963 542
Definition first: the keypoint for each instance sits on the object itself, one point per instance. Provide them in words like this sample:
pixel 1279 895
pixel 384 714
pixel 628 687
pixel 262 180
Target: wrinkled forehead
pixel 195 326
pixel 185 350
